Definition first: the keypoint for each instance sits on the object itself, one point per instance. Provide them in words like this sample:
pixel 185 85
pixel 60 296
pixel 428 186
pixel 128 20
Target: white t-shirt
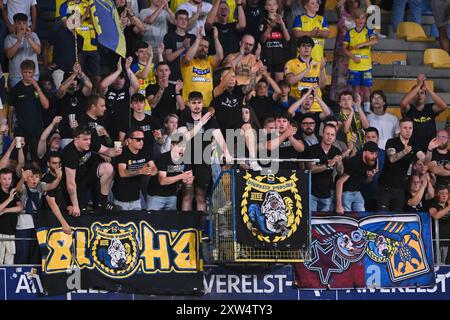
pixel 191 9
pixel 387 126
pixel 19 6
pixel 25 52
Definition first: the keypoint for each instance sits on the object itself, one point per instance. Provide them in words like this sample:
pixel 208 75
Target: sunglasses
pixel 137 139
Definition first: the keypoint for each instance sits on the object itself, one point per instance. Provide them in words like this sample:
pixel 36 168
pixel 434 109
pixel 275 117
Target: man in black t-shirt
pixel 284 144
pixel 117 89
pixel 10 207
pixel 262 103
pixel 139 119
pixel 227 103
pixel 172 172
pixel 131 165
pixel 400 152
pixel 94 119
pixel 201 168
pixel 422 114
pixel 71 100
pixel 322 173
pixel 26 101
pixel 164 97
pixel 82 170
pixel 357 170
pixel 440 159
pixel 177 43
pixel 56 198
pixel 228 31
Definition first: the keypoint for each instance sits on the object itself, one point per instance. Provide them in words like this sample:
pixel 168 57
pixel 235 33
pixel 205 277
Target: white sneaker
pixel 379 35
pixel 255 166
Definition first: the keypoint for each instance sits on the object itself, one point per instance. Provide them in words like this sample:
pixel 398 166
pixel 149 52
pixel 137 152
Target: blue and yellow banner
pixel 368 250
pixel 134 252
pixel 106 22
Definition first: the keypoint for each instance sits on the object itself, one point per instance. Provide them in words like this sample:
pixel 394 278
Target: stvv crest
pixel 271 207
pixel 115 248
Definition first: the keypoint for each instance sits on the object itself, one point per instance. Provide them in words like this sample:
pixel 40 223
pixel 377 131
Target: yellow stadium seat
pixel 436 58
pixel 397 85
pixel 331 5
pixel 333 31
pixel 411 31
pixel 379 57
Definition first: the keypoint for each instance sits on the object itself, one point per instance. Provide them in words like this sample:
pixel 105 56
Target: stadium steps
pixel 427 21
pixel 379 57
pixel 393 85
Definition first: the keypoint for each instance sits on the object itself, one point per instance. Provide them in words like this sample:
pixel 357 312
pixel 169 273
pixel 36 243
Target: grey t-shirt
pixel 25 52
pixel 154 33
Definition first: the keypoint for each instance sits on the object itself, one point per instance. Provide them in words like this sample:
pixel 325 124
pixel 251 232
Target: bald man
pixel 241 62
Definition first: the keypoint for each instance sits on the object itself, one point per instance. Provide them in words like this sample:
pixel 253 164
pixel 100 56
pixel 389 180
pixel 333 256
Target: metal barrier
pixel 437 241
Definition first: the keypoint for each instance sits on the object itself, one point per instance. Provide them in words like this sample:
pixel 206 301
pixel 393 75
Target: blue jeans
pixel 321 204
pixel 130 205
pixel 27 251
pixel 398 12
pixel 353 201
pixel 161 203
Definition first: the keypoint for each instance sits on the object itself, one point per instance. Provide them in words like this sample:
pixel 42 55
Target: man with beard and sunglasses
pixel 131 166
pixel 357 170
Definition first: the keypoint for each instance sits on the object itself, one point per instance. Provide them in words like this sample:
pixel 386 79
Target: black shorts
pixel 90 175
pixel 203 175
pixel 272 68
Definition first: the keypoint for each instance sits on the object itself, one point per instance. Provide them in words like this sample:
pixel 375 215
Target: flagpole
pixel 76 47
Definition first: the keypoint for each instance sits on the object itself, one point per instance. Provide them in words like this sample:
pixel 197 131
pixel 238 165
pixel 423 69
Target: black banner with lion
pixel 130 252
pixel 272 211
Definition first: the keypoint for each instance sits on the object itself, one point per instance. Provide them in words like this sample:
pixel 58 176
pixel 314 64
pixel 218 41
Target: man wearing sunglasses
pixel 423 115
pixel 132 165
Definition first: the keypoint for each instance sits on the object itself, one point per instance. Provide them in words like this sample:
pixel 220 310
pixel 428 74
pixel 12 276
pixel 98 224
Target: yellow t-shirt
pixel 352 38
pixel 197 75
pixel 86 30
pixel 297 65
pixel 306 23
pixel 143 83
